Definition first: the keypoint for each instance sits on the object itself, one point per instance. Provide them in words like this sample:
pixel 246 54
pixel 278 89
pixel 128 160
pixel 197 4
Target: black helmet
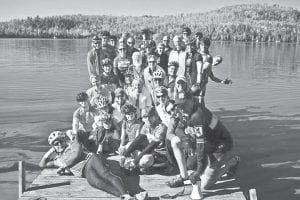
pixel 145 31
pixel 187 30
pixel 96 39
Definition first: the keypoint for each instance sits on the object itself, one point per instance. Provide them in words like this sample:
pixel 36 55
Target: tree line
pixel 252 22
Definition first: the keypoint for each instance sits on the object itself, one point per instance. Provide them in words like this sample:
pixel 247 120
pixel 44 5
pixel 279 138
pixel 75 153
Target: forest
pixel 247 22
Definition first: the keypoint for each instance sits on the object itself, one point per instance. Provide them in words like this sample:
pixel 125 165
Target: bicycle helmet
pixel 55 136
pixel 158 74
pixel 102 101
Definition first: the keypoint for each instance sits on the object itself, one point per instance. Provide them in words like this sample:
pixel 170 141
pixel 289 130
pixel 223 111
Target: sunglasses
pixel 57 143
pixel 122 49
pixel 129 42
pixel 161 96
pixel 151 61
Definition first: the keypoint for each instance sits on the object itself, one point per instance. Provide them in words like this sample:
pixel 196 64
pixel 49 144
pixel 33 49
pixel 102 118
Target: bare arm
pixel 45 162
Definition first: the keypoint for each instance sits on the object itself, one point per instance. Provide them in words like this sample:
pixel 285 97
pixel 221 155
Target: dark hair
pixel 81 97
pixel 205 41
pixel 113 37
pixel 173 63
pixel 105 33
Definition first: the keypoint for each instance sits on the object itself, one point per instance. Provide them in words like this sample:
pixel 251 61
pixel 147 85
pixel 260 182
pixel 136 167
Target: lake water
pixel 39 80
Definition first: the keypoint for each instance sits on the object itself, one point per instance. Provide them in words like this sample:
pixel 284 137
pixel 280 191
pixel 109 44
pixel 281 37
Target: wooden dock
pixel 48 185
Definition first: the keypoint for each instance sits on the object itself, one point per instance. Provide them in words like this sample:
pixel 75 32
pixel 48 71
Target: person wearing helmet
pixel 108 79
pixel 147 144
pixel 162 57
pixel 71 157
pixel 94 58
pixel 172 71
pixel 206 70
pixel 97 90
pixel 122 63
pixel 186 33
pixel 166 42
pixel 150 70
pixel 179 55
pixel 108 50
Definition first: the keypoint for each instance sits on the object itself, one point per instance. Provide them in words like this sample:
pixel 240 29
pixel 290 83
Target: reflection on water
pixel 40 76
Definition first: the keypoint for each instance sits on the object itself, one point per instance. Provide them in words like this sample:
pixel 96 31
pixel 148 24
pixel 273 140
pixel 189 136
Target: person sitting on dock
pixel 70 156
pixel 83 117
pixel 145 149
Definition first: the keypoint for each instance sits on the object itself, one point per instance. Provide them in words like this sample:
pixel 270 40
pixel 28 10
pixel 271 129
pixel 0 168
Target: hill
pixel 249 22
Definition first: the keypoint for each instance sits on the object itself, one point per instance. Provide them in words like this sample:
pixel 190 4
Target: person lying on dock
pixel 70 156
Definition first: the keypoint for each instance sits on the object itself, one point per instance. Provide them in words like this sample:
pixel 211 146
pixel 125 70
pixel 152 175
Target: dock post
pixel 22 178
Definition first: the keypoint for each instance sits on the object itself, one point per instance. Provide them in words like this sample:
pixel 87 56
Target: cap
pixel 186 30
pixel 96 39
pixel 173 63
pixel 180 78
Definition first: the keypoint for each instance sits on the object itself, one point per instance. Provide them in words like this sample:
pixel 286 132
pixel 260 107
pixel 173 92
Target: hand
pixel 61 171
pixel 100 149
pixel 122 150
pixel 227 81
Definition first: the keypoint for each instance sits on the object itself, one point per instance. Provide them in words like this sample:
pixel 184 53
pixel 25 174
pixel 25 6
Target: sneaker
pixel 233 169
pixel 178 181
pixel 141 196
pixel 127 197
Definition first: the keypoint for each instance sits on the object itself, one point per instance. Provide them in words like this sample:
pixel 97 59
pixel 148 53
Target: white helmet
pixel 158 74
pixel 102 101
pixel 55 136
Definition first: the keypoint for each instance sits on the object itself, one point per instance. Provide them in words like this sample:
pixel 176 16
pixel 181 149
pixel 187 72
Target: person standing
pixel 94 58
pixel 108 50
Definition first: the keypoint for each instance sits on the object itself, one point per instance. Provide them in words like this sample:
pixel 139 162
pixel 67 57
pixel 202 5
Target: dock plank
pixel 48 185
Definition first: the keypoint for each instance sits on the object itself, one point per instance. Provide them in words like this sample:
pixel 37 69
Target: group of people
pixel 146 104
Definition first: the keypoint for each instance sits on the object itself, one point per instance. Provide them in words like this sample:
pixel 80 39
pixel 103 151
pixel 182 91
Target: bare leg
pixel 178 153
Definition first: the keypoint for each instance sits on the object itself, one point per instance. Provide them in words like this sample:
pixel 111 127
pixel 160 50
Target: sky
pixel 12 9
